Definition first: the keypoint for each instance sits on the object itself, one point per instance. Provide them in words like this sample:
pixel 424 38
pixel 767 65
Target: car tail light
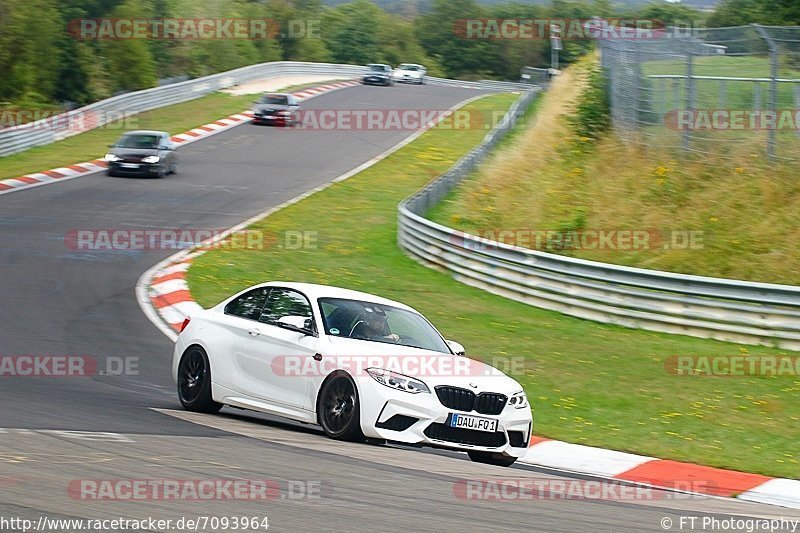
pixel 185 323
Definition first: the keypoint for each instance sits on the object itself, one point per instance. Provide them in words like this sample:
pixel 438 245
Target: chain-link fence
pixel 716 91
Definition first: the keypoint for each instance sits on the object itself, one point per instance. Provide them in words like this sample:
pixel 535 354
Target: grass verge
pixel 741 208
pixel 589 383
pixel 94 143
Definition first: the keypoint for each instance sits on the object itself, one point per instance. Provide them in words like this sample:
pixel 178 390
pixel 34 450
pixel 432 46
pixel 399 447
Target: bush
pixel 592 116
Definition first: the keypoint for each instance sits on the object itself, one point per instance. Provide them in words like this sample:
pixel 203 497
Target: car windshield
pixel 373 322
pixel 138 141
pixel 413 68
pixel 275 99
pixel 378 68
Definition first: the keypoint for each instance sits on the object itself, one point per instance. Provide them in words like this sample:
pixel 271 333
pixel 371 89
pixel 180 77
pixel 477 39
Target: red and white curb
pixel 81 169
pixel 654 472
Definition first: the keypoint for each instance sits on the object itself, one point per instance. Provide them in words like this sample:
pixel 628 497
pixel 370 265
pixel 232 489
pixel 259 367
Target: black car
pixel 378 74
pixel 279 109
pixel 142 153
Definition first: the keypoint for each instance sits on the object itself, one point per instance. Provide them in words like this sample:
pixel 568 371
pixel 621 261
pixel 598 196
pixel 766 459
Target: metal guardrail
pixel 39 133
pixel 723 309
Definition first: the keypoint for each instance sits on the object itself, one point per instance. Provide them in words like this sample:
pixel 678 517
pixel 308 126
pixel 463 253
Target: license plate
pixel 473 422
pixel 128 165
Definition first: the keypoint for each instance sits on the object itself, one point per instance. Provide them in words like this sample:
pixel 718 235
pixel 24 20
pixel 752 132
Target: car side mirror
pixel 456 348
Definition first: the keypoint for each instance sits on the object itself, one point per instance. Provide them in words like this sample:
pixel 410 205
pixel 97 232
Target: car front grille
pixel 490 403
pixel 471 437
pixel 487 403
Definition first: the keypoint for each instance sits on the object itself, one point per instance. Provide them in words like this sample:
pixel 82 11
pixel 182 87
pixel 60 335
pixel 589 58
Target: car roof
pixel 316 291
pixel 145 132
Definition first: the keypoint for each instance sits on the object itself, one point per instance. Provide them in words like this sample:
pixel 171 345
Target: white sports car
pixel 410 73
pixel 358 365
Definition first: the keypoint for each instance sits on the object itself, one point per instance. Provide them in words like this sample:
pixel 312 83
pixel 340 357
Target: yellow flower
pixel 713 219
pixel 738 170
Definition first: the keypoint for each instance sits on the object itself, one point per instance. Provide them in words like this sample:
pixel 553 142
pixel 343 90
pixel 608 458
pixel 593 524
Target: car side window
pixel 287 306
pixel 249 304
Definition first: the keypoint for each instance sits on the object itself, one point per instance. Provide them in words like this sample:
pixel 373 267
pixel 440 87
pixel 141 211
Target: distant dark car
pixel 142 153
pixel 378 74
pixel 277 109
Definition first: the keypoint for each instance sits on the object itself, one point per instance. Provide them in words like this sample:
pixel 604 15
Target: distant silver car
pixel 279 109
pixel 410 73
pixel 142 153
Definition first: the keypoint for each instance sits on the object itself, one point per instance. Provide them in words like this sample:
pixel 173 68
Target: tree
pixel 351 31
pixel 440 32
pixel 130 62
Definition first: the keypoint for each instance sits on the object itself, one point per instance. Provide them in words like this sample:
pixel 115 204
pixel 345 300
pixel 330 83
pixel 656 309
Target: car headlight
pixel 518 400
pixel 111 158
pixel 397 381
pixel 151 159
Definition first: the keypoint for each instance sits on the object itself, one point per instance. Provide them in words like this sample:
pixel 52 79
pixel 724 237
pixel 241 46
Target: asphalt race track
pixel 59 301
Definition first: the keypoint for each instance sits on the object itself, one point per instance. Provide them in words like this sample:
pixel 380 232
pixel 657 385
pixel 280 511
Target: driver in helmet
pixel 373 326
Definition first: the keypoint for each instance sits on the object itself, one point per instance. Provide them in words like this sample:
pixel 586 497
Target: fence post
pixel 689 96
pixel 797 103
pixel 773 85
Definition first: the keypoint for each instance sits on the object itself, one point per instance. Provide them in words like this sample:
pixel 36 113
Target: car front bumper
pixel 387 414
pixel 376 80
pixel 136 169
pixel 278 120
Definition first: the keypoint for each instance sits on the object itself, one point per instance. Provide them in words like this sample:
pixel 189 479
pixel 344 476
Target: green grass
pixel 94 143
pixel 710 94
pixel 588 383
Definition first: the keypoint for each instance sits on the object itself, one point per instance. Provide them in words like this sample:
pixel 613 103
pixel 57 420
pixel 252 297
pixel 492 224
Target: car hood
pixel 404 72
pixel 271 107
pixel 134 152
pixel 434 368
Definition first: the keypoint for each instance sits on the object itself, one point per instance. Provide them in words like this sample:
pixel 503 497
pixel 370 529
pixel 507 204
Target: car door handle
pixel 254 332
pixel 317 357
